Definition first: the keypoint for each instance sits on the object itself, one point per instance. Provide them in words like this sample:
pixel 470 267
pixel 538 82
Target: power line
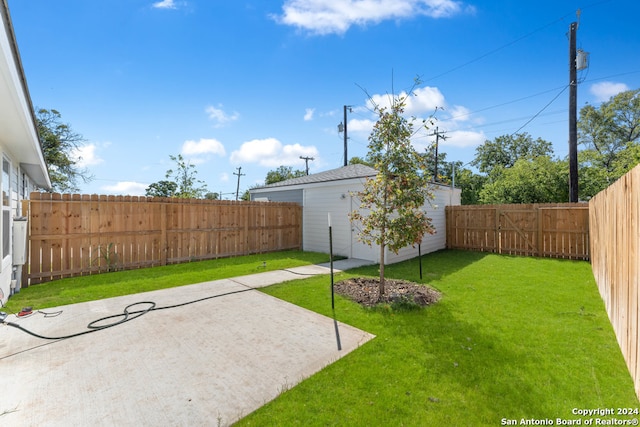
pixel 491 52
pixel 511 43
pixel 543 108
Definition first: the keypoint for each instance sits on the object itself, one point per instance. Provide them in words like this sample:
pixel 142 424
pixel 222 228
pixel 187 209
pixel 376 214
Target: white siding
pixel 335 198
pixel 443 196
pixel 20 186
pixel 319 201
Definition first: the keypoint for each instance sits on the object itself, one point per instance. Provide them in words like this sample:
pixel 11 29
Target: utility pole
pixel 438 135
pixel 342 127
pixel 306 162
pixel 573 130
pixel 239 175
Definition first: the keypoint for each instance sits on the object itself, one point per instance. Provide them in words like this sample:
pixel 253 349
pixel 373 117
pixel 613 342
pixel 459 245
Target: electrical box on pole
pixel 582 60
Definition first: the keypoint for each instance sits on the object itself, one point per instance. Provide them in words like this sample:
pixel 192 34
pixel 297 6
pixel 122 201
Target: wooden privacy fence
pixel 615 260
pixel 544 230
pixel 72 234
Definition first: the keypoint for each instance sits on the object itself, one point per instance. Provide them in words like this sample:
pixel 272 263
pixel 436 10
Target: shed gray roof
pixel 345 172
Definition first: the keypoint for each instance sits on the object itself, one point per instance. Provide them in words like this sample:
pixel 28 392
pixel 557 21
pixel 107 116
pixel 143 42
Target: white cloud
pixel 337 16
pixel 219 116
pixel 270 152
pixel 308 114
pixel 204 146
pixel 425 100
pixel 165 4
pixel 85 155
pixel 360 126
pixel 126 188
pixel 465 138
pixel 198 151
pixel 224 177
pixel 605 90
pixel 458 113
pixel 421 107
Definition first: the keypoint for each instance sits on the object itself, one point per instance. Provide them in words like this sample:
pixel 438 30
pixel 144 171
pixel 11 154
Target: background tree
pixel 610 135
pixel 212 196
pixel 507 165
pixel 506 150
pixel 59 142
pixel 470 184
pixel 355 160
pixel 538 180
pixel 282 174
pixel 162 189
pixel 393 200
pixel 444 167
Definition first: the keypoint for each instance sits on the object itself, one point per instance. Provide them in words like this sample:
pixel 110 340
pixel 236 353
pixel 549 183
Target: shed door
pixel 358 249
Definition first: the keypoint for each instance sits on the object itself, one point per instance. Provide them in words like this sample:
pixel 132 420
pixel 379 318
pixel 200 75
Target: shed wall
pixel 337 199
pixel 331 198
pixel 443 196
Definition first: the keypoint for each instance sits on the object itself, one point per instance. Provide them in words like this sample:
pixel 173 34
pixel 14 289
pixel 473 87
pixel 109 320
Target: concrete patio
pixel 207 363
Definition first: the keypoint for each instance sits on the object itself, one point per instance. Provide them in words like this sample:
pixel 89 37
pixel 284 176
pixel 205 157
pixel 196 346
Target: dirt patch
pixel 365 291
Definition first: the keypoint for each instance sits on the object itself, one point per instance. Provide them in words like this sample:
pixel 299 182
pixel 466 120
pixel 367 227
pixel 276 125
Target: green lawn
pixel 99 286
pixel 512 338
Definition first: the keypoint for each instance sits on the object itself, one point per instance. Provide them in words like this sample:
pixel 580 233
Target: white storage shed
pixel 334 192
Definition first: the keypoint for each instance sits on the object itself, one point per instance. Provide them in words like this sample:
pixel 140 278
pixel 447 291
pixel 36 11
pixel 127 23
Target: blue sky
pixel 256 84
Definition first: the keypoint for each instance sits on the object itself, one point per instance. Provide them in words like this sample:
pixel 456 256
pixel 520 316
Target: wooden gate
pixel 550 230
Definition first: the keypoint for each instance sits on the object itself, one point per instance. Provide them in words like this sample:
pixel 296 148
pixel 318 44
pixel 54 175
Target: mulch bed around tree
pixel 365 291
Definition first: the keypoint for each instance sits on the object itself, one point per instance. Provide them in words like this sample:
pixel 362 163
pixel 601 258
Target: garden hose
pixel 126 316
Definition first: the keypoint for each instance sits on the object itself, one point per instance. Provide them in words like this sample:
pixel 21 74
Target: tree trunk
pixel 381 288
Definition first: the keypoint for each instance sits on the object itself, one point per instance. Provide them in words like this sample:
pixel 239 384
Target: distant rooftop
pixel 345 172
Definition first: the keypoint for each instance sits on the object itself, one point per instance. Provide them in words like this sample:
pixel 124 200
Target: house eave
pixel 18 130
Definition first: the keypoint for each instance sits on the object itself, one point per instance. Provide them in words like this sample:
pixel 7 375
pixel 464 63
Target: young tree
pixel 188 187
pixel 392 202
pixel 59 142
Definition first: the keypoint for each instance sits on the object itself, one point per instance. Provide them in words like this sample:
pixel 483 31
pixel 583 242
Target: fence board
pixel 74 235
pixel 615 231
pixel 545 230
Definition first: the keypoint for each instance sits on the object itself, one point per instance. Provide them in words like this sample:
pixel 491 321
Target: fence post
pixel 540 243
pixel 498 236
pixel 246 228
pixel 163 233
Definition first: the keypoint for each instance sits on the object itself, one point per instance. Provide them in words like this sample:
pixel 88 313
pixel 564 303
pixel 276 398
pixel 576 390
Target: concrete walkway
pixel 207 363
